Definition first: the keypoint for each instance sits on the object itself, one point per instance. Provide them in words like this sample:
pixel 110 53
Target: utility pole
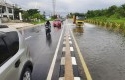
pixel 44 15
pixel 0 15
pixel 13 10
pixel 54 6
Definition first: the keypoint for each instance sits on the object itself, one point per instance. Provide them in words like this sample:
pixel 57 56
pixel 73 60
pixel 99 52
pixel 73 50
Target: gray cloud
pixel 66 6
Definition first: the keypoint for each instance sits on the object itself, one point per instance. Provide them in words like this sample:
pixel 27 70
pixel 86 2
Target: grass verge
pixel 117 25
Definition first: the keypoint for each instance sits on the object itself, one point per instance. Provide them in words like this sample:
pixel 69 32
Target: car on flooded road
pixel 57 23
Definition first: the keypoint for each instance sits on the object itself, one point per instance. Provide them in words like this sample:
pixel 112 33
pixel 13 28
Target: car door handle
pixel 17 63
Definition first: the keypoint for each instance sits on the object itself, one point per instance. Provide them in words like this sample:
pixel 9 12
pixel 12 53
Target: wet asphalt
pixel 42 49
pixel 103 51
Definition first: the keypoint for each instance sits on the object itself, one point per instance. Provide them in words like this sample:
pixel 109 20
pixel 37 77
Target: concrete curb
pixel 29 26
pixel 21 25
pixel 76 75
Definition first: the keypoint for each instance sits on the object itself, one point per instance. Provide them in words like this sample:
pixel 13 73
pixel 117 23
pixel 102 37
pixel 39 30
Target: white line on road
pixel 54 59
pixel 73 61
pixel 63 61
pixel 69 37
pixel 71 49
pixel 61 78
pixel 69 42
pixel 75 78
pixel 28 37
pixel 64 49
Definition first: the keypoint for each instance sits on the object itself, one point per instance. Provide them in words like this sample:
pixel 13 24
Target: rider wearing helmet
pixel 48 27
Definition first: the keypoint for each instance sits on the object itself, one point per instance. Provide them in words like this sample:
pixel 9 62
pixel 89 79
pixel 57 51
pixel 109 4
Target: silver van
pixel 15 60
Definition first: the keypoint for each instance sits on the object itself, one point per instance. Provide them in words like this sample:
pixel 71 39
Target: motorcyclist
pixel 48 23
pixel 48 27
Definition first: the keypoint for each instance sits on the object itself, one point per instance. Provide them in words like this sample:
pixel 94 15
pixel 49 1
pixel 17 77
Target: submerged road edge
pixel 88 75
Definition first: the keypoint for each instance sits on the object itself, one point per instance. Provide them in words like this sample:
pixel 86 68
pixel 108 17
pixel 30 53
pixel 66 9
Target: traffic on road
pixel 62 40
pixel 90 58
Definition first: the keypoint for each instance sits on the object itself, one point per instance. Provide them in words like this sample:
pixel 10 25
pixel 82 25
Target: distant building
pixel 6 10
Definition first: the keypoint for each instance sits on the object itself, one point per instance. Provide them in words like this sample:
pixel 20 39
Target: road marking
pixel 69 42
pixel 61 78
pixel 69 37
pixel 63 61
pixel 64 49
pixel 71 49
pixel 54 58
pixel 75 78
pixel 88 76
pixel 28 37
pixel 65 38
pixel 73 61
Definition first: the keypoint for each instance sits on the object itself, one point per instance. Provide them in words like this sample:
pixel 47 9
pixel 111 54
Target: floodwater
pixel 103 51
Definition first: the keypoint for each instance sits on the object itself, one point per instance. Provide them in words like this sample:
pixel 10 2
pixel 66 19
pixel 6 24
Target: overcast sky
pixel 66 6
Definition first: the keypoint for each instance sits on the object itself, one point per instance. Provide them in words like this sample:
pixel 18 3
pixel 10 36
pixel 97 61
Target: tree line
pixel 32 14
pixel 29 15
pixel 113 12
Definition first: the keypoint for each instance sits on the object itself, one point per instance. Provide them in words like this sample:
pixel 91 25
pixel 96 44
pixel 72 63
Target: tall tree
pixel 33 11
pixel 112 10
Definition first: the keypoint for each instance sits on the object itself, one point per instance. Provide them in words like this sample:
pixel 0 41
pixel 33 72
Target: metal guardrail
pixel 110 25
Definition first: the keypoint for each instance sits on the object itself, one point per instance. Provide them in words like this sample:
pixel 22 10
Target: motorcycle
pixel 48 30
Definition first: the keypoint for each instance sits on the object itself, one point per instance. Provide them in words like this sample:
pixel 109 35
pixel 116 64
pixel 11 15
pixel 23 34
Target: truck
pixel 78 20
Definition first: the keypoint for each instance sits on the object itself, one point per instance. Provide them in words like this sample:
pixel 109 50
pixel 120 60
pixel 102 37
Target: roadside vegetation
pixel 33 16
pixel 112 18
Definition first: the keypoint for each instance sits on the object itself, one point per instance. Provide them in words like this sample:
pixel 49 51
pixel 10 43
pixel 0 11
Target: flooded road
pixel 42 50
pixel 103 51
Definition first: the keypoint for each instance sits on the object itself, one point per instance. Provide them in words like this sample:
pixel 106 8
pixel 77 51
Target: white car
pixel 15 60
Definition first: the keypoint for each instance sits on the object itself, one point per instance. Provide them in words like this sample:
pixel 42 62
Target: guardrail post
pixel 105 24
pixel 110 25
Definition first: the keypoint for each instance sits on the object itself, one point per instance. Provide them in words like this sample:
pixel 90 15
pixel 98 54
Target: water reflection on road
pixel 48 40
pixel 78 29
pixel 104 52
pixel 42 49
